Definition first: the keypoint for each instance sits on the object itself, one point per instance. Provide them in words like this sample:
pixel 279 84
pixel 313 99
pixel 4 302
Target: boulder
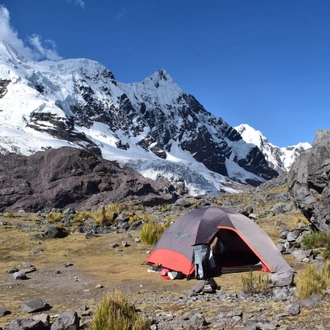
pixel 4 312
pixel 309 182
pixel 55 232
pixel 34 305
pixel 282 279
pixel 66 321
pixel 26 324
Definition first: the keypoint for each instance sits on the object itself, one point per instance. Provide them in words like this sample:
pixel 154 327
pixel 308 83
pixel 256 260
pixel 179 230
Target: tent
pixel 231 238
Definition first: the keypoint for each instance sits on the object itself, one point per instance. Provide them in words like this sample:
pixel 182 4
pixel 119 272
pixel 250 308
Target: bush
pixel 315 240
pixel 54 217
pixel 310 281
pixel 115 313
pixel 254 284
pixel 102 217
pixel 151 232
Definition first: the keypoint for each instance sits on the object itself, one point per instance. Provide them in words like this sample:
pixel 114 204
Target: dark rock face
pixel 309 182
pixel 69 177
pixel 3 87
pixel 193 134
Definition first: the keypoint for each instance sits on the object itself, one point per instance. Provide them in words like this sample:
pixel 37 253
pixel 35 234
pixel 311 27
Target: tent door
pixel 202 263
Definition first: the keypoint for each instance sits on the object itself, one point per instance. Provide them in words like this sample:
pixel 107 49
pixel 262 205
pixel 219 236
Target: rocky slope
pixel 71 274
pixel 69 177
pixel 309 182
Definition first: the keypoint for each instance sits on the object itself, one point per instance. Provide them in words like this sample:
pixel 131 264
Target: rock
pixel 292 236
pixel 13 270
pixel 282 279
pixel 25 264
pixel 182 202
pixel 55 232
pixel 136 225
pixel 44 318
pixel 300 255
pixel 66 321
pixel 124 243
pixel 198 287
pixel 294 309
pixel 69 211
pixel 309 182
pixel 72 178
pixel 4 312
pixel 26 324
pixel 197 321
pixel 20 275
pixel 35 305
pixel 68 264
pixel 37 250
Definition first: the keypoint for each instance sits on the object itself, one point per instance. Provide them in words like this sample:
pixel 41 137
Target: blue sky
pixel 265 63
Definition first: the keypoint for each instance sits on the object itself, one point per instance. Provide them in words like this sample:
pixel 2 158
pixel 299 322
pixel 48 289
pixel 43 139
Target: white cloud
pixel 42 48
pixel 38 49
pixel 121 14
pixel 79 3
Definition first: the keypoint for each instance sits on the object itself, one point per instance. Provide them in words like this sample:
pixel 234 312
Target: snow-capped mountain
pixel 152 126
pixel 280 159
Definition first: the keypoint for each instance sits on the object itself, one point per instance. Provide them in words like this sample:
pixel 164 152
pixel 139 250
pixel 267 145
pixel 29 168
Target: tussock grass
pixel 116 313
pixel 151 232
pixel 254 284
pixel 311 281
pixel 55 217
pixel 104 216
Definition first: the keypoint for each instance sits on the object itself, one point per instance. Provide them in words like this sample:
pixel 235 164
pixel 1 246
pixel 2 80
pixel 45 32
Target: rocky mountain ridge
pixel 152 126
pixel 280 159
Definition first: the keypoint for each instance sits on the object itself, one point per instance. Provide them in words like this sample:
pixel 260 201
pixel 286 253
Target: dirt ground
pixel 70 270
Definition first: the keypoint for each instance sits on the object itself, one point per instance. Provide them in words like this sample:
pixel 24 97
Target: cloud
pixel 79 3
pixel 46 49
pixel 121 14
pixel 37 49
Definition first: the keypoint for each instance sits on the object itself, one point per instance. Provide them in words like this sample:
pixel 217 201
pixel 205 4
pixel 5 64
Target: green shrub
pixel 310 281
pixel 254 284
pixel 115 313
pixel 151 232
pixel 316 239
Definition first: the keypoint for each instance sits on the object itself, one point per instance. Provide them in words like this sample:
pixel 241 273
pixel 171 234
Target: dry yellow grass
pixel 96 262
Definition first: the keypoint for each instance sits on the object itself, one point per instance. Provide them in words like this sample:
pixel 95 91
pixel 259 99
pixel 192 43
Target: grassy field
pixel 69 270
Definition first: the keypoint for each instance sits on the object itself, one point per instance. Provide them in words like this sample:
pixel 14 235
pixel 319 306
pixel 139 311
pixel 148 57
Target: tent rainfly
pixel 239 241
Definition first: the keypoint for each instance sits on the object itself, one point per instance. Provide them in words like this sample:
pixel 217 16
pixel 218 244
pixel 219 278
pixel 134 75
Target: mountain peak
pixel 8 52
pixel 152 126
pixel 280 159
pixel 161 75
